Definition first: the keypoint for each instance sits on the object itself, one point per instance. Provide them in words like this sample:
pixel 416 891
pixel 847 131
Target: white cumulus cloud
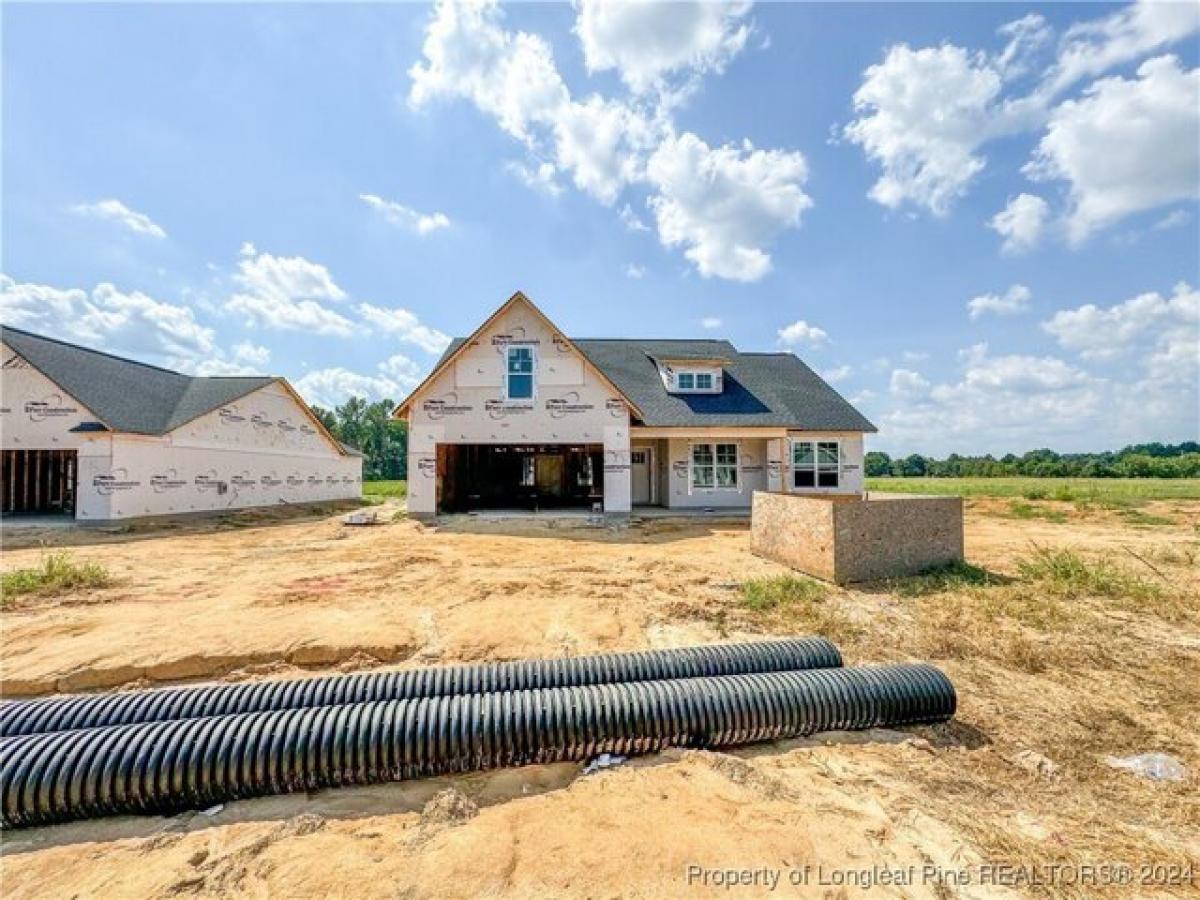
pixel 722 206
pixel 329 387
pixel 922 114
pixel 405 325
pixel 725 204
pixel 406 217
pixel 541 177
pixel 800 332
pixel 1012 302
pixel 997 403
pixel 1021 222
pixel 1145 323
pixel 468 54
pixel 632 220
pixel 287 293
pixel 116 211
pixel 644 41
pixel 122 322
pixel 906 382
pixel 1125 146
pixel 1091 48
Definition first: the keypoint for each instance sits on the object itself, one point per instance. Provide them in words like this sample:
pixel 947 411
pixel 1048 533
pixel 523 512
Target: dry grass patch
pixel 1019 509
pixel 794 603
pixel 955 576
pixel 1068 574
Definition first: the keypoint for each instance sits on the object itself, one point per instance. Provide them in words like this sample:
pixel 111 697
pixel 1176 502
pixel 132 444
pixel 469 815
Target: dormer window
pixel 693 381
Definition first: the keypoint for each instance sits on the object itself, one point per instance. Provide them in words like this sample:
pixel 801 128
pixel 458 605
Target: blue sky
pixel 979 221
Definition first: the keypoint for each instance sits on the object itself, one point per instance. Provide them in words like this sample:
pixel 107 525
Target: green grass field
pixel 385 489
pixel 1105 491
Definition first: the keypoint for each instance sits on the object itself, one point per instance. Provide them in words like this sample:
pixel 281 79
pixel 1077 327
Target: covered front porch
pixel 703 471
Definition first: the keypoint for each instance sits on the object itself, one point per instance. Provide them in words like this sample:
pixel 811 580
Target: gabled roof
pixel 760 389
pixel 130 396
pixel 458 344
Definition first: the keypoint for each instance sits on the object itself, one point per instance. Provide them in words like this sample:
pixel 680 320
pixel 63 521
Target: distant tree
pixel 370 429
pixel 327 417
pixel 1153 460
pixel 876 464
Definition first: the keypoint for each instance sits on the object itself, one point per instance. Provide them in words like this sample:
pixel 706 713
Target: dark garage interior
pixel 525 476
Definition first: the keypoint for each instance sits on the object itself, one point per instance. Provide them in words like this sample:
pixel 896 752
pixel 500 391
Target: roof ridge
pixel 93 350
pixel 126 359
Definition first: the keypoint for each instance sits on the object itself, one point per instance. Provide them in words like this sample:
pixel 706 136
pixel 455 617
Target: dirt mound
pixel 447 809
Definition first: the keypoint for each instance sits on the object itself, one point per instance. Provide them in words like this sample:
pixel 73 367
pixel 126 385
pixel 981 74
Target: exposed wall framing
pixel 38 481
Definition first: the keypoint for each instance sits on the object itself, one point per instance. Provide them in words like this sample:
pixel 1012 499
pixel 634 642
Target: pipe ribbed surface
pixel 160 767
pixel 19 717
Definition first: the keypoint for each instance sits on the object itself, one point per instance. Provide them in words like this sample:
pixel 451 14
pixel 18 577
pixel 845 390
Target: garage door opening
pixel 37 482
pixel 526 476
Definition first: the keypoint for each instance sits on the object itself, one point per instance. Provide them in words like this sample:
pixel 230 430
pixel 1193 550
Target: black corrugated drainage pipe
pixel 161 767
pixel 92 710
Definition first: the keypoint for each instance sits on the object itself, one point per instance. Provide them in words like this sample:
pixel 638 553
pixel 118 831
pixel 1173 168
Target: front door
pixel 641 459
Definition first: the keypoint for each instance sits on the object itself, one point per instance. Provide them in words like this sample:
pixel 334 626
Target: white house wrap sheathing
pixel 464 404
pixel 35 413
pixel 263 449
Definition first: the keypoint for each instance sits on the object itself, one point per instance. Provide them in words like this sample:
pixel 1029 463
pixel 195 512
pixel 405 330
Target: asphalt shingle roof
pixel 760 389
pixel 127 395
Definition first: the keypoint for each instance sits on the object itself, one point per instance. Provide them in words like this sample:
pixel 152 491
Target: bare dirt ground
pixel 1052 678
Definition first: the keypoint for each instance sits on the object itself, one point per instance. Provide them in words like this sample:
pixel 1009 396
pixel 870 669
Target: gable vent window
pixel 519 378
pixel 815 464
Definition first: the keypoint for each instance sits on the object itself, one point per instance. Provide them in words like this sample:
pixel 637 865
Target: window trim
pixel 508 397
pixel 712 446
pixel 816 467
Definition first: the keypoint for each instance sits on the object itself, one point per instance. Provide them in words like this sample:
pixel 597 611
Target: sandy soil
pixel 1049 686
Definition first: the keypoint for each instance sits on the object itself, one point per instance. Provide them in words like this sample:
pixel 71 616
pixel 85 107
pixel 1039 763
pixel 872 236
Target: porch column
pixel 775 467
pixel 618 494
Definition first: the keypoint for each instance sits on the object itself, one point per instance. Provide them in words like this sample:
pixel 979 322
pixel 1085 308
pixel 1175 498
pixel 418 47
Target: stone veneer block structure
pixel 858 539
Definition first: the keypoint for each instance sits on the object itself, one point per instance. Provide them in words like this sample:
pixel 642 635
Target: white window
pixel 518 382
pixel 715 465
pixel 815 464
pixel 694 381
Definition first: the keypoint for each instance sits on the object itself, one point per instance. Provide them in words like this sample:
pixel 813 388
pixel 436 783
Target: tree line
pixel 1153 460
pixel 370 429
